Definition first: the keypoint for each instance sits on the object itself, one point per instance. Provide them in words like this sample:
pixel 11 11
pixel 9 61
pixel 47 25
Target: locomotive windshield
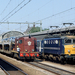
pixel 73 40
pixel 38 44
pixel 20 41
pixel 67 40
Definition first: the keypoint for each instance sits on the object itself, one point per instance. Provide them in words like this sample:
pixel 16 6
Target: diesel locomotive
pixel 57 47
pixel 22 48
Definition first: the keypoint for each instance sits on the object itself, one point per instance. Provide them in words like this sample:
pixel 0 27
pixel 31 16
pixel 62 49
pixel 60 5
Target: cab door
pixel 38 46
pixel 20 44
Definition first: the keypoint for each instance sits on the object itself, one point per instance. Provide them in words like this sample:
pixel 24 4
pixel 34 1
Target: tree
pixel 45 29
pixel 34 29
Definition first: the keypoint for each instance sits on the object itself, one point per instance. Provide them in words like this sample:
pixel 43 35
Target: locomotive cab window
pixel 73 40
pixel 42 45
pixel 67 40
pixel 62 41
pixel 59 42
pixel 38 44
pixel 20 41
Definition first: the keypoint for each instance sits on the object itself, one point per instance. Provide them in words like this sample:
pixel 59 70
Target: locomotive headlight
pixel 26 50
pixel 68 51
pixel 32 50
pixel 73 46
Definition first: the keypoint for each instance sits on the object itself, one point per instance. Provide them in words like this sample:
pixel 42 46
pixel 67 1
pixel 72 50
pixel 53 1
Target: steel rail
pixel 41 68
pixel 56 68
pixel 4 70
pixel 51 69
pixel 15 67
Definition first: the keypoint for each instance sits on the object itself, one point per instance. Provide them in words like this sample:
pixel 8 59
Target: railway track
pixel 10 69
pixel 72 64
pixel 48 68
pixel 52 69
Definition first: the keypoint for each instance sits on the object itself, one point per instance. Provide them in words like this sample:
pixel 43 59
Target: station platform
pixel 2 72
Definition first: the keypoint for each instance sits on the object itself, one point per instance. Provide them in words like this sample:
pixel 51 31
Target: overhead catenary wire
pixel 17 10
pixel 47 16
pixel 67 20
pixel 38 8
pixel 72 20
pixel 13 10
pixel 56 14
pixel 5 7
pixel 21 8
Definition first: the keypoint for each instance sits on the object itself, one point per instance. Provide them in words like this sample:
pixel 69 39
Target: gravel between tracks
pixel 29 69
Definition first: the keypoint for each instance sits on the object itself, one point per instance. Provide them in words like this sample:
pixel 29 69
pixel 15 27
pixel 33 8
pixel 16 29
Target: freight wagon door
pixel 29 45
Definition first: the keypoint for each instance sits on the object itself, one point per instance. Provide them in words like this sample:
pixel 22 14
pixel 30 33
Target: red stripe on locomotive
pixel 29 55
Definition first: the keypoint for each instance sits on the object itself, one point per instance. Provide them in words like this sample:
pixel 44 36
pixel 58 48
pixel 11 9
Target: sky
pixel 49 12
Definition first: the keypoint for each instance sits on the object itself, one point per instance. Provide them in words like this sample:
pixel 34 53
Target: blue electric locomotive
pixel 53 47
pixel 59 47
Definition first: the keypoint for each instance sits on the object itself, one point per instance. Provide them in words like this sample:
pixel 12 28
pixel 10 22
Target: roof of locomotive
pixel 52 38
pixel 60 36
pixel 68 37
pixel 28 37
pixel 25 37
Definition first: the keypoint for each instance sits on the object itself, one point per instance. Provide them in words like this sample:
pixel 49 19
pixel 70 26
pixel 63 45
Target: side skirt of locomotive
pixel 25 55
